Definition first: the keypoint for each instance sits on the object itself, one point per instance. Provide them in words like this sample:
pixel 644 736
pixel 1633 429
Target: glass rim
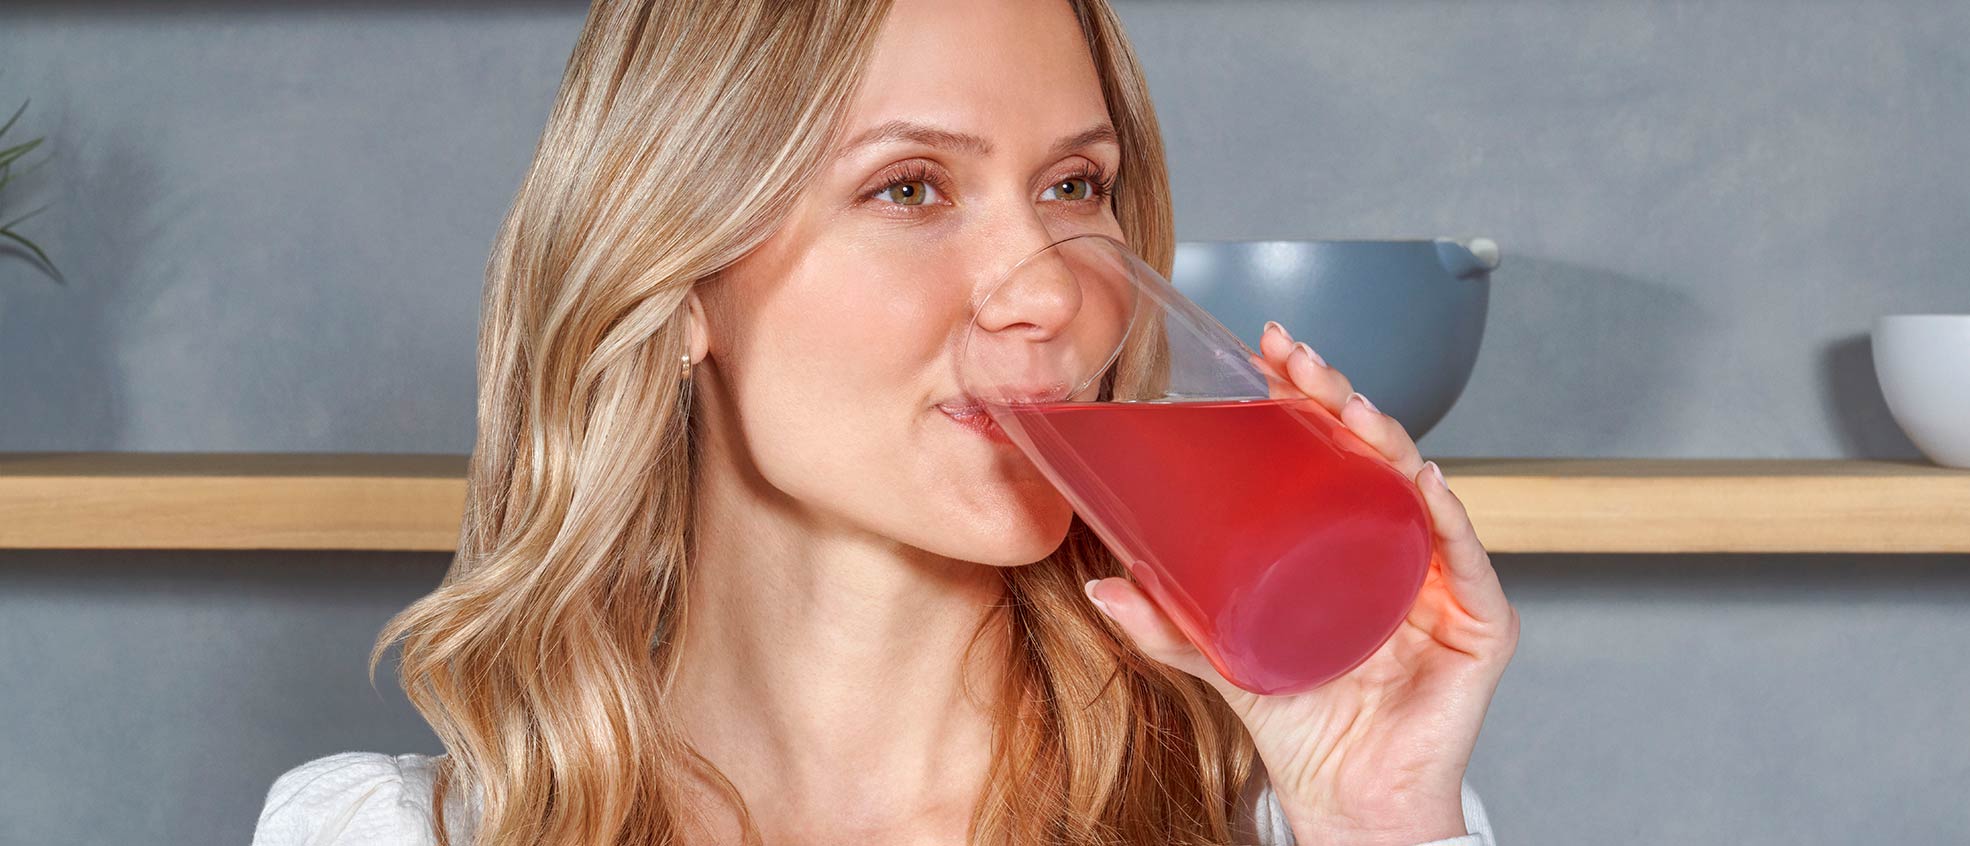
pixel 1021 263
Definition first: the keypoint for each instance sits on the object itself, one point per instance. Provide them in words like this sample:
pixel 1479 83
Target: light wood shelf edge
pixel 369 501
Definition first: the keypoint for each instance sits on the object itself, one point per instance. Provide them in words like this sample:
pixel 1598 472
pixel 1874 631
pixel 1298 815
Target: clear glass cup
pixel 1281 544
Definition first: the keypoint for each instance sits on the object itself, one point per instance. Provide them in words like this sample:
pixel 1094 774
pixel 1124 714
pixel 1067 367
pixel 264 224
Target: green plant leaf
pixel 8 169
pixel 8 155
pixel 10 224
pixel 17 116
pixel 10 234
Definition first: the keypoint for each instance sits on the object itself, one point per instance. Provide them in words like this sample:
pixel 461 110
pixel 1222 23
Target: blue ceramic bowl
pixel 1403 319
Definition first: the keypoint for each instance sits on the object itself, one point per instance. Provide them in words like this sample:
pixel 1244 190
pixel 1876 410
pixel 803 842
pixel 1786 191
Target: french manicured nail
pixel 1310 354
pixel 1273 326
pixel 1438 473
pixel 1089 590
pixel 1364 401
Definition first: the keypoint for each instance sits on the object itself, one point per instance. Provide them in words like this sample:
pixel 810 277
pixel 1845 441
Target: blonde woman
pixel 730 572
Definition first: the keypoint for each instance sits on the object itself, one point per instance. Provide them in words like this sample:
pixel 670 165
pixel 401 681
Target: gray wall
pixel 272 219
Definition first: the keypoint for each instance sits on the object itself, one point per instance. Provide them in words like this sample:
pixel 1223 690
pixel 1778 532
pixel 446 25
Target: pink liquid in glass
pixel 1280 543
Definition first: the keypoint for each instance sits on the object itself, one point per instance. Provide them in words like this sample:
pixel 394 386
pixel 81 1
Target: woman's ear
pixel 700 328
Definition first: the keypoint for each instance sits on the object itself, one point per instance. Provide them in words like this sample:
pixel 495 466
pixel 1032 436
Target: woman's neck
pixel 822 670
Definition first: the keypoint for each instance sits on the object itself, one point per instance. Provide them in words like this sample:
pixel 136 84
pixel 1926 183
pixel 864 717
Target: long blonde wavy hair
pixel 543 657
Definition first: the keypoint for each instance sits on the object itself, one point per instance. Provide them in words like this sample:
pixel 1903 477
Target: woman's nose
pixel 1038 294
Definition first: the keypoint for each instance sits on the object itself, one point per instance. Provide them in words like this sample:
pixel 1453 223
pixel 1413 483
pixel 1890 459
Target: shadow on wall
pixel 1836 579
pixel 1852 395
pixel 1558 331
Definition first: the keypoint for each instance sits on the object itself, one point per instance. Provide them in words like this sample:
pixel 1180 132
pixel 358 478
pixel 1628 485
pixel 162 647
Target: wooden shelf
pixel 1713 505
pixel 133 500
pixel 413 502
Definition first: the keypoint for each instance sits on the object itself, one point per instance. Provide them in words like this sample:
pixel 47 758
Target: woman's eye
pixel 1070 189
pixel 909 192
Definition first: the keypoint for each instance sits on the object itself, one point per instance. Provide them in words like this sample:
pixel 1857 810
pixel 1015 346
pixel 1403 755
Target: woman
pixel 729 572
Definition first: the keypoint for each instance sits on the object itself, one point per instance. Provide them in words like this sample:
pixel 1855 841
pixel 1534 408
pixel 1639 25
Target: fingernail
pixel 1438 473
pixel 1312 356
pixel 1089 590
pixel 1273 326
pixel 1364 401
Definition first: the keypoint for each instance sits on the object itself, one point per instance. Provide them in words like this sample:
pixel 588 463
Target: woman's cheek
pixel 902 302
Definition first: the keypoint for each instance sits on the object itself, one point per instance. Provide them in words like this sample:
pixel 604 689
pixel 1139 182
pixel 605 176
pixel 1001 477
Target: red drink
pixel 1281 544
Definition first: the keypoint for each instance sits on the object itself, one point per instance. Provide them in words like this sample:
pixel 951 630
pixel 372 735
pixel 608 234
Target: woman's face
pixel 978 135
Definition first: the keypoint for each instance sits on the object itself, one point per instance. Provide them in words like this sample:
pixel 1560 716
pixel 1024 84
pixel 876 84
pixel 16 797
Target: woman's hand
pixel 1376 756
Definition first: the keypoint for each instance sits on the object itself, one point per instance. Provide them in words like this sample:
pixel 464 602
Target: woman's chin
pixel 1004 514
pixel 1016 536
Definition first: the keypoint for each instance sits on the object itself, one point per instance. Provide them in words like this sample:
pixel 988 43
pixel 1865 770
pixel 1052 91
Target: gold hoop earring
pixel 687 367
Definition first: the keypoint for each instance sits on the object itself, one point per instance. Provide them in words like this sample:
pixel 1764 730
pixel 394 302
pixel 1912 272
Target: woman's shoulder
pixel 1264 821
pixel 355 798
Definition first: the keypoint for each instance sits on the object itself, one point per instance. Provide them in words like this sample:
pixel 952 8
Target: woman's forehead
pixel 1002 72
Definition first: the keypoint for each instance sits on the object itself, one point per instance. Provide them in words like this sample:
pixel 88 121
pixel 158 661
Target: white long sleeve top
pixel 374 799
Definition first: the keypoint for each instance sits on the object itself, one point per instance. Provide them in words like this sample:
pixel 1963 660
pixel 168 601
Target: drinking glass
pixel 1282 545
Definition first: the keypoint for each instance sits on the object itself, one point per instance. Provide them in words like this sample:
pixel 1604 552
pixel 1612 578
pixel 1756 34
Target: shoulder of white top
pixel 350 796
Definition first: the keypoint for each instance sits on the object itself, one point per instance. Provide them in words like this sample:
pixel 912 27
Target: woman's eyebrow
pixel 946 139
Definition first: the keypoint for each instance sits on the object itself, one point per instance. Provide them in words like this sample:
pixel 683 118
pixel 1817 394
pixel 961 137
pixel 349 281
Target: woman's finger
pixel 1329 387
pixel 1277 384
pixel 1316 378
pixel 1466 565
pixel 1151 630
pixel 1274 344
pixel 1309 373
pixel 1382 432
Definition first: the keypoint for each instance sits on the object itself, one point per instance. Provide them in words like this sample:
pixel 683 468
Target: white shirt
pixel 373 799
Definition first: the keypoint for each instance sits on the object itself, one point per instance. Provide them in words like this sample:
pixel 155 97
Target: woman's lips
pixel 977 420
pixel 964 409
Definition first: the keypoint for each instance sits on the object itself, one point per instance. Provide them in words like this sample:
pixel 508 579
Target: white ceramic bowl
pixel 1923 364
